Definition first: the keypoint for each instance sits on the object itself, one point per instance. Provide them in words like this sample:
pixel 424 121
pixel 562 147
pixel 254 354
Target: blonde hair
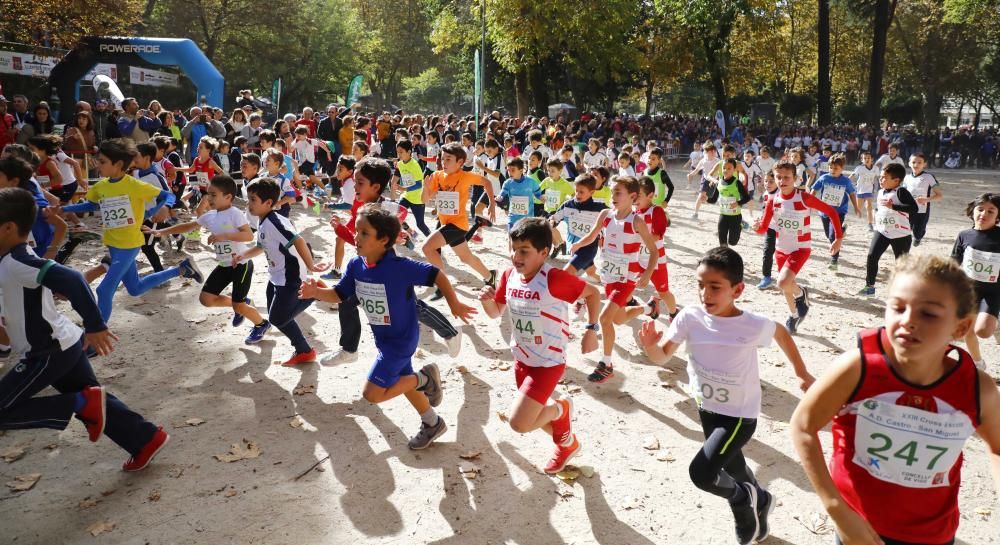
pixel 944 271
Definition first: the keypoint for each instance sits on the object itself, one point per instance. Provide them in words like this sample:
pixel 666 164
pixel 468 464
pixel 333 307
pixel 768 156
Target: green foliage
pixel 797 106
pixel 850 112
pixel 428 92
pixel 901 109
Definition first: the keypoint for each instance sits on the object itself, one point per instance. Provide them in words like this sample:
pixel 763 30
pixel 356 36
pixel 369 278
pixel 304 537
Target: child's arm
pixel 816 204
pixel 854 203
pixel 243 235
pixel 55 177
pixel 744 194
pixel 458 309
pixel 77 171
pixel 177 229
pixel 488 186
pixel 650 339
pixel 56 221
pixel 989 429
pixel 760 226
pixel 71 285
pixel 303 249
pixel 817 408
pixel 936 195
pixel 592 235
pixel 487 296
pixel 216 167
pixel 647 238
pixel 316 289
pixel 247 255
pixel 788 346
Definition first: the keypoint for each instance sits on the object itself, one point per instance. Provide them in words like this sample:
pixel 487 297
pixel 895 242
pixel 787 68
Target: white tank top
pixel 540 321
pixel 891 223
pixel 620 254
pixel 68 176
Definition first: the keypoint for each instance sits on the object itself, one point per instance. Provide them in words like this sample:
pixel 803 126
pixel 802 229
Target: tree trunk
pixel 932 108
pixel 712 55
pixel 521 92
pixel 539 89
pixel 823 101
pixel 649 92
pixel 884 10
pixel 961 108
pixel 975 120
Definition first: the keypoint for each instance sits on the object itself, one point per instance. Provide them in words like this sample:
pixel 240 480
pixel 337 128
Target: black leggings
pixel 417 211
pixel 149 248
pixel 730 228
pixel 719 466
pixel 769 241
pixel 878 247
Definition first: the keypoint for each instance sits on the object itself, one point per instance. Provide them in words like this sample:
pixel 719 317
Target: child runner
pixel 925 190
pixel 383 284
pixel 770 190
pixel 793 238
pixel 538 296
pixel 229 233
pixel 902 404
pixel 708 165
pixel 203 167
pixel 661 180
pixel 449 188
pixel 895 207
pixel 288 264
pixel 518 193
pixel 865 177
pixel 273 162
pixel 732 196
pixel 624 232
pixel 581 214
pixel 722 344
pixel 594 157
pixel 656 220
pixel 49 229
pixel 147 171
pixel 890 158
pixel 836 190
pixel 555 192
pixel 409 178
pixel 122 200
pixel 51 349
pixel 755 176
pixel 978 251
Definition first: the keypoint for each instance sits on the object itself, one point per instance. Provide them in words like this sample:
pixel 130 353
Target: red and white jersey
pixel 539 313
pixel 656 220
pixel 789 217
pixel 899 444
pixel 620 253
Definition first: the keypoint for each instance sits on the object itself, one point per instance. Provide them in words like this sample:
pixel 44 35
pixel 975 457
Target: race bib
pixel 582 223
pixel 908 446
pixel 981 266
pixel 391 207
pixel 614 266
pixel 891 223
pixel 728 205
pixel 789 222
pixel 519 206
pixel 833 195
pixel 201 179
pixel 552 199
pixel 224 253
pixel 43 180
pixel 866 184
pixel 407 180
pixel 526 319
pixel 372 299
pixel 717 387
pixel 117 212
pixel 447 203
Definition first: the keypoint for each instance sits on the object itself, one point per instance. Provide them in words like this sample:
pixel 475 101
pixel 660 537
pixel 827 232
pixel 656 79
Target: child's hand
pixel 101 341
pixel 644 279
pixel 922 200
pixel 756 225
pixel 885 202
pixel 216 238
pixel 237 258
pixel 574 248
pixel 589 341
pixel 488 293
pixel 835 246
pixel 161 215
pixel 462 311
pixel 319 267
pixel 854 530
pixel 149 230
pixel 648 335
pixel 309 289
pixel 805 381
pixel 335 221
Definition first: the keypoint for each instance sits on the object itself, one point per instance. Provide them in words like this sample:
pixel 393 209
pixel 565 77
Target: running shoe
pixel 408 242
pixel 562 430
pixel 149 451
pixel 871 229
pixel 562 456
pixel 653 307
pixel 300 358
pixel 765 283
pixel 791 324
pixel 477 238
pixel 237 317
pixel 601 373
pixel 834 265
pixel 333 274
pixel 802 304
pixel 257 333
pixel 745 513
pixel 427 435
pixel 454 345
pixel 94 411
pixel 694 216
pixel 483 222
pixel 867 291
pixel 190 270
pixel 765 504
pixel 916 243
pixel 432 389
pixel 492 280
pixel 338 357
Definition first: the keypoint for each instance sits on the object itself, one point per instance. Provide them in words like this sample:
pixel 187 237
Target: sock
pixel 422 381
pixel 674 314
pixel 739 494
pixel 4 347
pixel 78 402
pixel 262 322
pixel 801 293
pixel 559 411
pixel 429 418
pixel 606 360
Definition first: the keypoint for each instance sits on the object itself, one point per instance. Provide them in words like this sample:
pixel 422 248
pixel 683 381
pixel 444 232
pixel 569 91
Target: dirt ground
pixel 186 368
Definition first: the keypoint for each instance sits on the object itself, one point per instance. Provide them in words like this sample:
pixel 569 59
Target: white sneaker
pixel 337 357
pixel 981 364
pixel 454 345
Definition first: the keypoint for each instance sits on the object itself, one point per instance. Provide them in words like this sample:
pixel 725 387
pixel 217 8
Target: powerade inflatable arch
pixel 65 76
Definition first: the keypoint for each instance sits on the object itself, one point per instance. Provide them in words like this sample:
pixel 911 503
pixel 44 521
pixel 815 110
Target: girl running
pixel 978 251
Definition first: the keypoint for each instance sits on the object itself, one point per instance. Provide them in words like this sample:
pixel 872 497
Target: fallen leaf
pixel 565 492
pixel 651 443
pixel 632 503
pixel 296 422
pixel 12 454
pixel 573 389
pixel 469 471
pixel 568 475
pixel 22 483
pixel 471 455
pixel 107 493
pixel 502 416
pixel 88 502
pixel 586 471
pixel 984 511
pixel 462 369
pixel 100 527
pixel 230 493
pixel 194 421
pixel 237 452
pixel 665 457
pixel 154 496
pixel 304 389
pixel 197 320
pixel 504 366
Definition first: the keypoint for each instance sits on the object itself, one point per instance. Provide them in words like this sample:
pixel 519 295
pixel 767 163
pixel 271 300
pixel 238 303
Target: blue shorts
pixel 387 370
pixel 583 259
pixel 865 195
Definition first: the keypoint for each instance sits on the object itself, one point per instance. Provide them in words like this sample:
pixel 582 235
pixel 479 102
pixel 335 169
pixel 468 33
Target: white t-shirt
pixel 304 151
pixel 695 157
pixel 920 186
pixel 766 164
pixel 224 222
pixel 594 160
pixel 722 358
pixel 865 179
pixel 347 190
pixel 885 160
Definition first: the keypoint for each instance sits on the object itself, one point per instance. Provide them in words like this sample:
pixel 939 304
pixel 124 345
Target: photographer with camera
pixel 136 124
pixel 200 125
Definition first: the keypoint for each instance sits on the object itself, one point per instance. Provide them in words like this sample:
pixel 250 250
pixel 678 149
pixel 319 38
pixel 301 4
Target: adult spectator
pixel 200 125
pixel 21 118
pixel 308 120
pixel 80 140
pixel 136 124
pixel 8 132
pixel 41 120
pixel 246 99
pixel 168 126
pixel 235 124
pixel 100 117
pixel 251 131
pixel 154 108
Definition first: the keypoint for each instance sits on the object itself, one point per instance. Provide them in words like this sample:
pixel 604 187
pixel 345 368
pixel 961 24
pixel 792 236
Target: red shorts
pixel 794 261
pixel 619 292
pixel 537 383
pixel 659 280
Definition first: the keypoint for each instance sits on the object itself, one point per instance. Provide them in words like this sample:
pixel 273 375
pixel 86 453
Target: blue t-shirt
pixel 527 188
pixel 580 218
pixel 385 294
pixel 42 232
pixel 828 188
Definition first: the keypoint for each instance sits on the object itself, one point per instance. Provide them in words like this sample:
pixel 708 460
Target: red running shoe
pixel 477 238
pixel 148 452
pixel 561 457
pixel 561 427
pixel 300 358
pixel 93 411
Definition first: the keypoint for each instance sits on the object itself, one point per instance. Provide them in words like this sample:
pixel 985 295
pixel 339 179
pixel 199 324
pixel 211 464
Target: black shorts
pixel 65 193
pixel 703 188
pixel 239 276
pixel 989 302
pixel 453 235
pixel 307 168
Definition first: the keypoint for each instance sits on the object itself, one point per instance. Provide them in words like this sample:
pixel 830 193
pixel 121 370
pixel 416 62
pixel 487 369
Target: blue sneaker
pixel 765 283
pixel 257 333
pixel 237 317
pixel 334 274
pixel 867 291
pixel 190 270
pixel 791 323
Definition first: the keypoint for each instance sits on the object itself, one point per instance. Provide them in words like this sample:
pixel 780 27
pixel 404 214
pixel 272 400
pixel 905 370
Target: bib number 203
pixel 720 395
pixel 910 453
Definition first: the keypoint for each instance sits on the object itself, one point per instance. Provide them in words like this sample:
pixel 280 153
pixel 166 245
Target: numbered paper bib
pixel 582 223
pixel 790 222
pixel 372 298
pixel 117 212
pixel 224 253
pixel 552 199
pixel 715 387
pixel 728 205
pixel 447 203
pixel 907 446
pixel 833 195
pixel 43 180
pixel 866 184
pixel 526 319
pixel 891 223
pixel 390 207
pixel 201 179
pixel 981 266
pixel 407 181
pixel 614 266
pixel 519 206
